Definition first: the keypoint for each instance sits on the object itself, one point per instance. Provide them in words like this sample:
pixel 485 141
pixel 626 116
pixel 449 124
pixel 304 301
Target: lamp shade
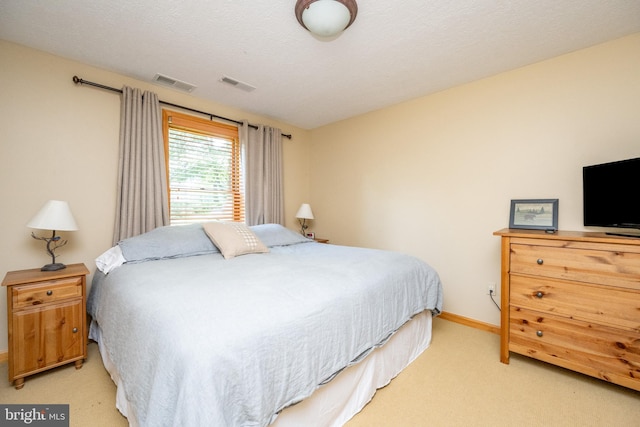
pixel 304 212
pixel 326 18
pixel 54 215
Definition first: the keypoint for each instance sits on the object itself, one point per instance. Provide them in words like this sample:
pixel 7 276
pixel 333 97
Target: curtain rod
pixel 77 80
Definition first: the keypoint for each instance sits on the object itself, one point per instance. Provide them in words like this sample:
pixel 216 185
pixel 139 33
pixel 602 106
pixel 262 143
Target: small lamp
pixel 304 213
pixel 54 215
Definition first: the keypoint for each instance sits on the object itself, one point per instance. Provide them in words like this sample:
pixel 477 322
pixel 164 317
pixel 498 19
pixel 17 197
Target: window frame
pixel 197 125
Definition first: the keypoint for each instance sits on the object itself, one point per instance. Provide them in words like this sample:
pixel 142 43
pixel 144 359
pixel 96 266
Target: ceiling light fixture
pixel 326 18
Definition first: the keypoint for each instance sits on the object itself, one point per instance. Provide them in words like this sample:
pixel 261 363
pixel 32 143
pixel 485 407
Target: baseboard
pixel 470 322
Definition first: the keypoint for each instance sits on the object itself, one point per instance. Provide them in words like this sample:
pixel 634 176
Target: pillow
pixel 110 259
pixel 234 238
pixel 171 241
pixel 277 235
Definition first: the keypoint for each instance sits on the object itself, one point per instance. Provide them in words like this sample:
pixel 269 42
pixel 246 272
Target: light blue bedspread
pixel 204 341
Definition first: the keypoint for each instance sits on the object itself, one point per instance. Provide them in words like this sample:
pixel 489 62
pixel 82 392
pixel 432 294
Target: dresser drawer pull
pixel 540 261
pixel 49 293
pixel 74 330
pixel 539 333
pixel 539 294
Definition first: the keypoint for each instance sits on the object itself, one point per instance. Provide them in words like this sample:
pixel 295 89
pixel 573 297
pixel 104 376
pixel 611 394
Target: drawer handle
pixel 539 333
pixel 74 330
pixel 540 261
pixel 539 294
pixel 49 293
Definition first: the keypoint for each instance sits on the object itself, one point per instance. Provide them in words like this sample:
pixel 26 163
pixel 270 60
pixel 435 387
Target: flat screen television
pixel 611 195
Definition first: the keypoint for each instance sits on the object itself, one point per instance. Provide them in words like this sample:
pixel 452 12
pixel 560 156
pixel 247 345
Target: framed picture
pixel 536 214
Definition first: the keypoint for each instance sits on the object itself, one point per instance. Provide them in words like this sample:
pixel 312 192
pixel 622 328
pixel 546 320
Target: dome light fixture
pixel 326 18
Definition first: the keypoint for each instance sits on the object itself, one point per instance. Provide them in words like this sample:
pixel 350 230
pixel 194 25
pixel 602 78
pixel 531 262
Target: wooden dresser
pixel 573 299
pixel 47 320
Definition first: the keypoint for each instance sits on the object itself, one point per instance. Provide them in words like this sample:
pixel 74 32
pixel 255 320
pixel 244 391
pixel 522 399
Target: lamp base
pixel 53 267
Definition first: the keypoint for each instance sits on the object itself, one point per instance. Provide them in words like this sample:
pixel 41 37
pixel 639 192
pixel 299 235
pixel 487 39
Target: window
pixel 203 169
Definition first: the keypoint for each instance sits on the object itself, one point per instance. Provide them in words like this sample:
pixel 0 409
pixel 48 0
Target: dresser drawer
pixel 600 351
pixel 615 307
pixel 46 292
pixel 561 261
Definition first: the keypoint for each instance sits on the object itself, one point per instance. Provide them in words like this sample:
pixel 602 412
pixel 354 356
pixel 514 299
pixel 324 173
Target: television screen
pixel 612 194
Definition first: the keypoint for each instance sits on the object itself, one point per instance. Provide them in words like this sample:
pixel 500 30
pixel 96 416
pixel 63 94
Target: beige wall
pixel 60 141
pixel 434 177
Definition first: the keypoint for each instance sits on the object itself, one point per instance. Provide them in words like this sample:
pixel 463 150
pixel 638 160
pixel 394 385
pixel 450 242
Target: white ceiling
pixel 394 51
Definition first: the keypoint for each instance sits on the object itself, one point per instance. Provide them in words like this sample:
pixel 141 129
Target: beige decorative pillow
pixel 234 238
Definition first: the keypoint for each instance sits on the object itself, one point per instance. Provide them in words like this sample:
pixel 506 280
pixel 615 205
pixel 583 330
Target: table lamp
pixel 54 215
pixel 304 213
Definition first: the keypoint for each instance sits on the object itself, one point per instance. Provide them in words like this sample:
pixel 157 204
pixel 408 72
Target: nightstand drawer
pixel 46 292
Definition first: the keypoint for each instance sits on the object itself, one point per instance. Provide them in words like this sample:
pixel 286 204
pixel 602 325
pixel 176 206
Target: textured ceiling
pixel 394 51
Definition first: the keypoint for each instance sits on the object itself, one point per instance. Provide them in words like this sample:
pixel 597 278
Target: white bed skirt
pixel 336 402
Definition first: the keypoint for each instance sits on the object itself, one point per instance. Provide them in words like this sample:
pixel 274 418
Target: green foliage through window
pixel 204 176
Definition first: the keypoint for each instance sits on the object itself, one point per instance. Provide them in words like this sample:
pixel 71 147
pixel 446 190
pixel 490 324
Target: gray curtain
pixel 142 202
pixel 264 202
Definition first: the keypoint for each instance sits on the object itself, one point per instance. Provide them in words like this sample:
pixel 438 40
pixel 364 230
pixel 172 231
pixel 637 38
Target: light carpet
pixel 458 381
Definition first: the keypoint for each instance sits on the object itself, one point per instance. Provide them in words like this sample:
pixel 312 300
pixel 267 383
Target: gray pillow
pixel 277 235
pixel 173 241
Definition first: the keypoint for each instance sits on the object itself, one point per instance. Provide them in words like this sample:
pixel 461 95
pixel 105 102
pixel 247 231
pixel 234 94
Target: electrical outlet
pixel 491 289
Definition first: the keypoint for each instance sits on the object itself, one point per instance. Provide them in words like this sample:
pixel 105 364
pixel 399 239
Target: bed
pixel 219 324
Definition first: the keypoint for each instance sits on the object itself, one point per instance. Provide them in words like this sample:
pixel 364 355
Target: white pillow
pixel 110 259
pixel 234 238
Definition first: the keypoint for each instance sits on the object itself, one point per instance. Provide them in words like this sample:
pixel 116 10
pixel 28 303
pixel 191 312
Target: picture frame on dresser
pixel 534 214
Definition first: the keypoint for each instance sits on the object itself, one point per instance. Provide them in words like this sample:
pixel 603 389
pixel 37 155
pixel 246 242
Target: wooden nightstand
pixel 47 320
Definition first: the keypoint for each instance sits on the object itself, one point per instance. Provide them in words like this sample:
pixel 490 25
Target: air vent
pixel 236 83
pixel 176 84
